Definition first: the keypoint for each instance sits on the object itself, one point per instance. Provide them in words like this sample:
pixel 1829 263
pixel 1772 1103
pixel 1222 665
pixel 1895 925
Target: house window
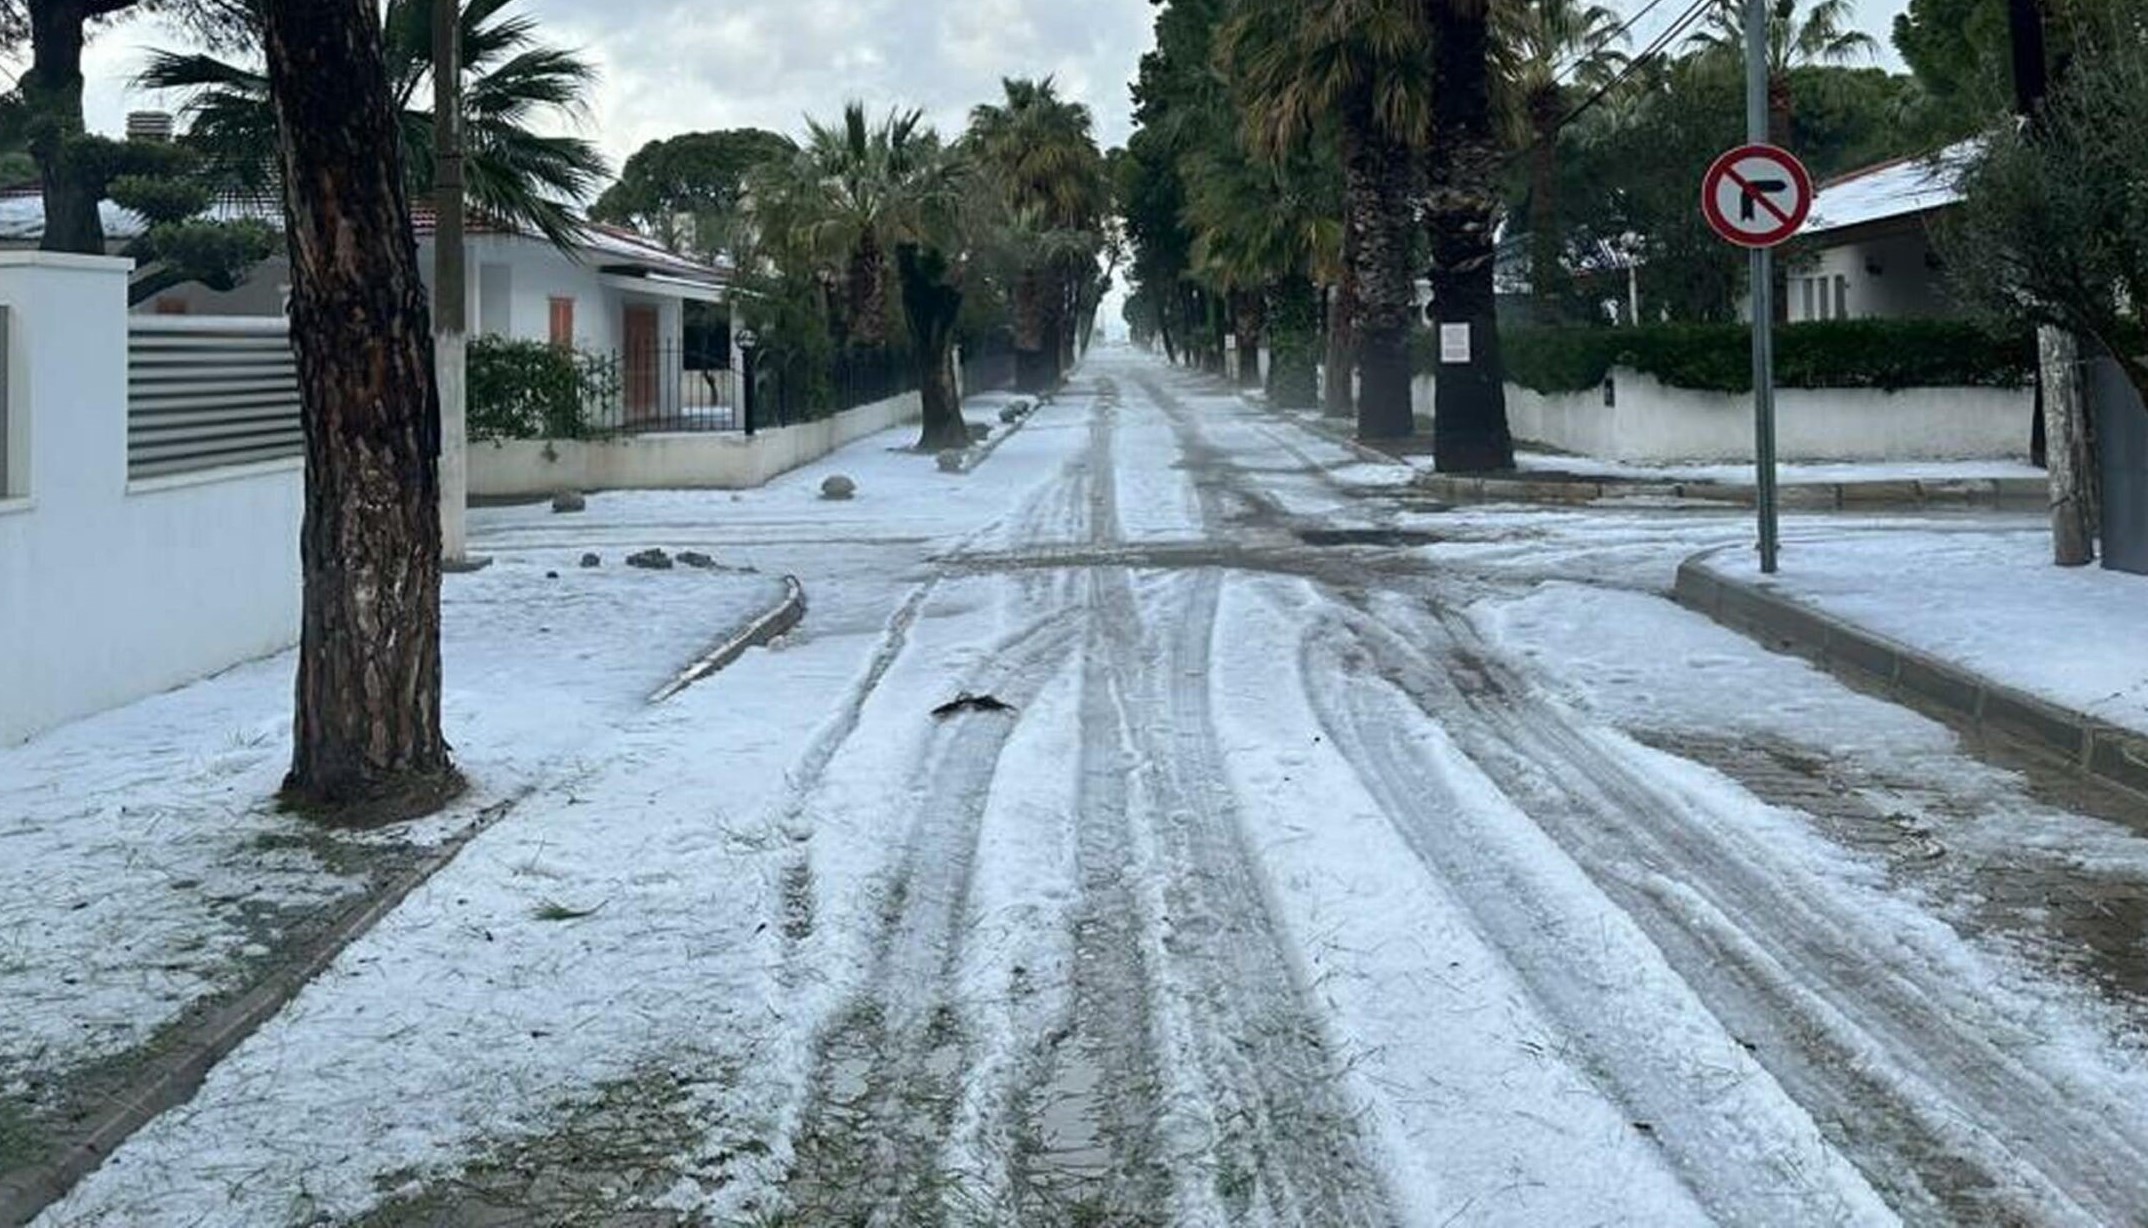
pixel 562 321
pixel 1805 289
pixel 1842 298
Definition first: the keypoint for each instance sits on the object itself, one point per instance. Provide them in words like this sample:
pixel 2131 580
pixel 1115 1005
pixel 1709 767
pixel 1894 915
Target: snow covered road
pixel 1344 861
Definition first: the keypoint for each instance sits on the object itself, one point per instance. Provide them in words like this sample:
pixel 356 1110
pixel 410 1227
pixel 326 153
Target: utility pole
pixel 450 282
pixel 1763 278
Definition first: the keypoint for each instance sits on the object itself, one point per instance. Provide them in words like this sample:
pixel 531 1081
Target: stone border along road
pixel 1938 688
pixel 171 1079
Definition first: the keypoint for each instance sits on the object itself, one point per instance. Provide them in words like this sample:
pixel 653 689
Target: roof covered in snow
pixel 1903 187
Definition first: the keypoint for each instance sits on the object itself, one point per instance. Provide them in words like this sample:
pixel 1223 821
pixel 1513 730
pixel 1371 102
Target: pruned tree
pixel 1469 416
pixel 367 740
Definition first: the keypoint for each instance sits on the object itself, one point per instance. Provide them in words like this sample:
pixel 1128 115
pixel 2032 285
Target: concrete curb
pixel 173 1078
pixel 774 623
pixel 2026 494
pixel 1939 688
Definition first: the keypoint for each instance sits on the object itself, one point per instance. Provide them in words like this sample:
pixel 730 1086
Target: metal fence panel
pixel 2122 441
pixel 206 393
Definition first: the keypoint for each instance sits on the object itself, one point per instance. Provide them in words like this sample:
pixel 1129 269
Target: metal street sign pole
pixel 1763 277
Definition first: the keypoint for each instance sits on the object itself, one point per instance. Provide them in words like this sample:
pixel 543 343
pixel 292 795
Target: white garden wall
pixel 526 468
pixel 110 590
pixel 1652 423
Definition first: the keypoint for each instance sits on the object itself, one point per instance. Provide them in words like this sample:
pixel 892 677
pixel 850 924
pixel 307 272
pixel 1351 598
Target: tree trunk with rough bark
pixel 1032 372
pixel 866 304
pixel 931 305
pixel 1339 397
pixel 1294 340
pixel 1249 325
pixel 1376 210
pixel 367 742
pixel 1469 425
pixel 2069 451
pixel 52 94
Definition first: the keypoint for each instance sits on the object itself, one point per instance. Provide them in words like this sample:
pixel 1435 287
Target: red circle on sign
pixel 1777 212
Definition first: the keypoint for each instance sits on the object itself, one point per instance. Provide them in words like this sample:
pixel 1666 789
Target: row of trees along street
pixel 1295 170
pixel 1002 232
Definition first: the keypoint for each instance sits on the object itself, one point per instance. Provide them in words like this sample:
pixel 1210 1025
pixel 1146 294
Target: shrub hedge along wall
pixel 1884 354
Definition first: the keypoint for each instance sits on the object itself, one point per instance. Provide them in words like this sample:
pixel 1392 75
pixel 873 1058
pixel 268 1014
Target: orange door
pixel 641 376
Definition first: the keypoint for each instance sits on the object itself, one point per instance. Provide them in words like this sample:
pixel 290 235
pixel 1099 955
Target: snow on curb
pixel 760 632
pixel 2108 752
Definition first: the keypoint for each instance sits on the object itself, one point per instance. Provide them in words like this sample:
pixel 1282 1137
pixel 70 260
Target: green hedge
pixel 530 390
pixel 1886 354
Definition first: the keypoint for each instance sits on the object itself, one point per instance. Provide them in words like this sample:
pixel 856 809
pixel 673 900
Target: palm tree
pixel 1823 35
pixel 1301 65
pixel 1041 149
pixel 1552 48
pixel 511 82
pixel 854 196
pixel 839 202
pixel 1266 235
pixel 1469 414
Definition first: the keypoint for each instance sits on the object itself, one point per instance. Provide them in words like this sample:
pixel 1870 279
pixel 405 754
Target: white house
pixel 615 293
pixel 1869 241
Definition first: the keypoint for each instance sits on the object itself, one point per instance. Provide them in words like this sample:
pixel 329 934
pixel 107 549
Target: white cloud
pixel 673 66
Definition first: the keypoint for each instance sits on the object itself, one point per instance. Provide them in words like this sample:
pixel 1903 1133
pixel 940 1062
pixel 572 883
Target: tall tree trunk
pixel 1250 327
pixel 1376 210
pixel 1469 424
pixel 1547 274
pixel 931 306
pixel 2070 451
pixel 52 93
pixel 1339 399
pixel 867 303
pixel 1032 373
pixel 366 736
pixel 1294 337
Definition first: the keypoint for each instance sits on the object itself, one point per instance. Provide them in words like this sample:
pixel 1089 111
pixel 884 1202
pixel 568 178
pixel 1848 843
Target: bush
pixel 531 390
pixel 1884 354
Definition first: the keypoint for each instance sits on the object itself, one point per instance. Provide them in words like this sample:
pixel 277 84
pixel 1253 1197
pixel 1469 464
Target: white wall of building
pixel 111 590
pixel 530 468
pixel 1889 277
pixel 1655 424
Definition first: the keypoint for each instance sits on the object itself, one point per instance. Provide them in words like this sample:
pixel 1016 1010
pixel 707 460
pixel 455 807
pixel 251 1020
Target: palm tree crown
pixel 510 79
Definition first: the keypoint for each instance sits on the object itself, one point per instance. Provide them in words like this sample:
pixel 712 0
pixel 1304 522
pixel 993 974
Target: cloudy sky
pixel 678 65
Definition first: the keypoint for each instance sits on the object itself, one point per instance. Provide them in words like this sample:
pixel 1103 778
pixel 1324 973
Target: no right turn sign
pixel 1757 195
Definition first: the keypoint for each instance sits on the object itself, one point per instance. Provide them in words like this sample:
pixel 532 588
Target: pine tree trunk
pixel 366 737
pixel 1376 210
pixel 1469 426
pixel 931 306
pixel 52 94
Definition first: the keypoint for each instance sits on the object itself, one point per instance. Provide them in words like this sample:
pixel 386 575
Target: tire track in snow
pixel 1869 1028
pixel 1246 1049
pixel 886 1073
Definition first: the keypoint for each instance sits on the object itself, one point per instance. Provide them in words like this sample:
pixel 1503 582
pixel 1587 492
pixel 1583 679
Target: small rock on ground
pixel 651 559
pixel 569 501
pixel 951 460
pixel 837 486
pixel 591 560
pixel 694 558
